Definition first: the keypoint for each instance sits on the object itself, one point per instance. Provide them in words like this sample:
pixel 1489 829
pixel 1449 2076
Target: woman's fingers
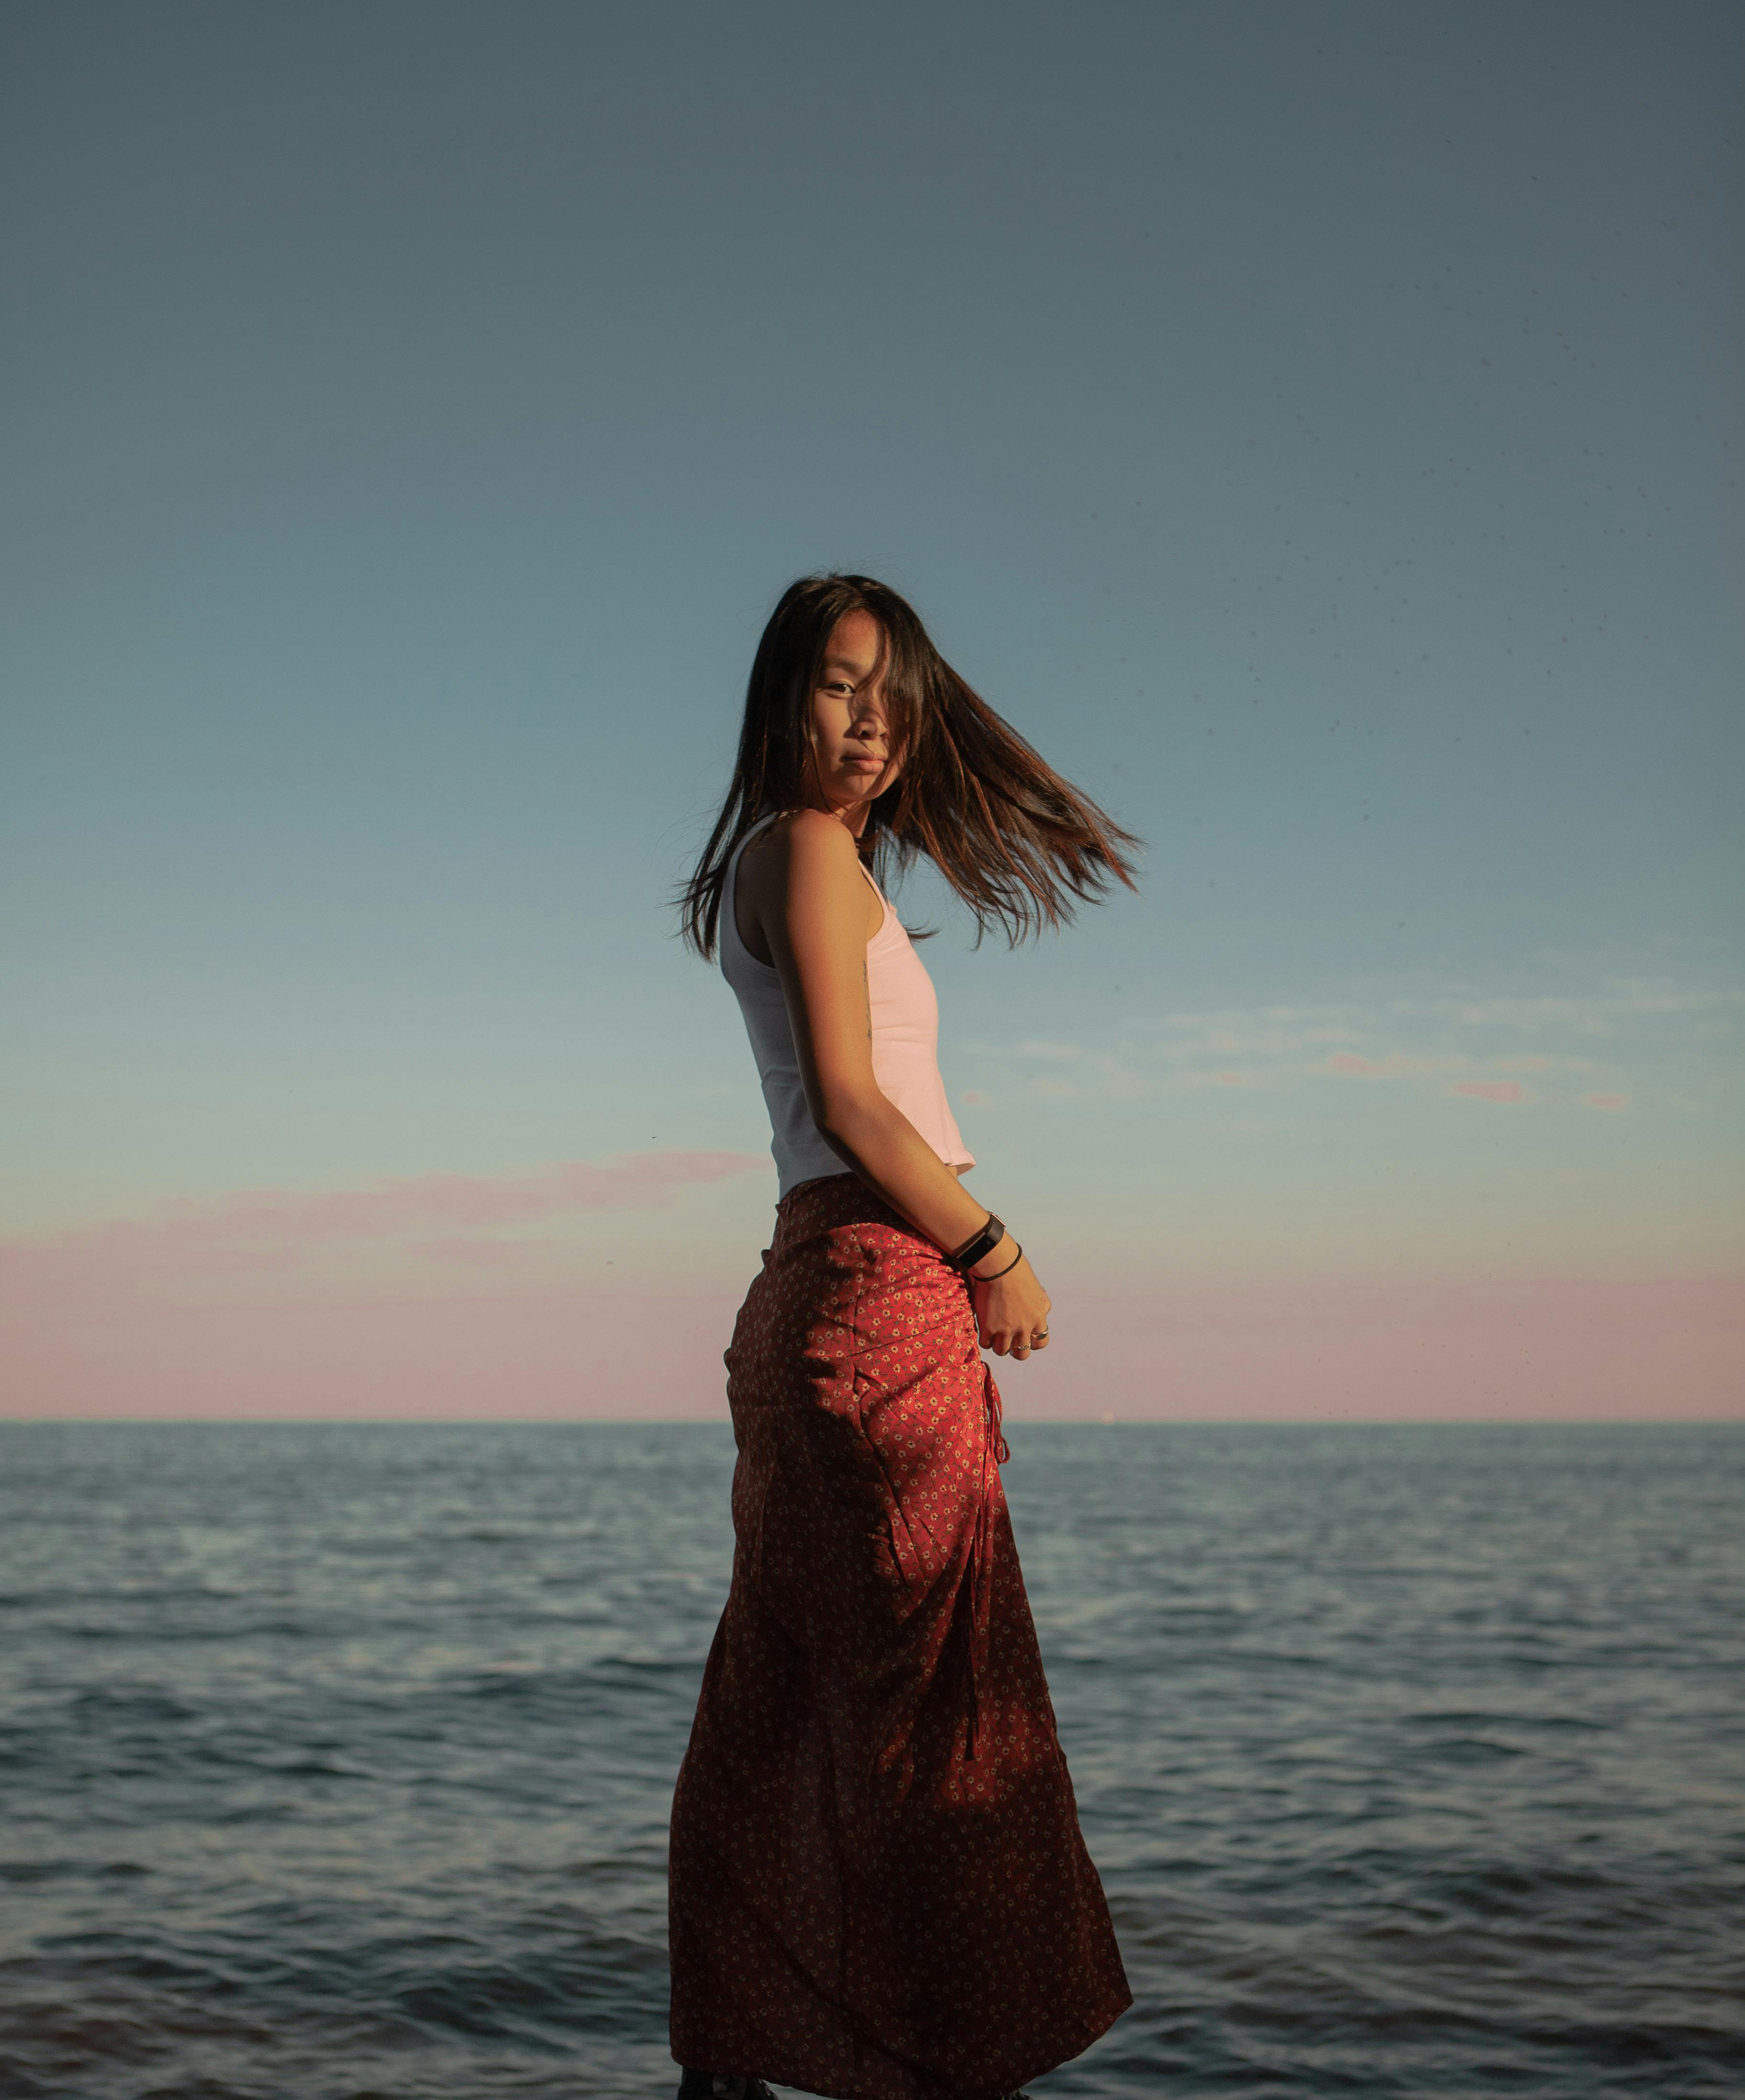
pixel 1012 1316
pixel 1002 1342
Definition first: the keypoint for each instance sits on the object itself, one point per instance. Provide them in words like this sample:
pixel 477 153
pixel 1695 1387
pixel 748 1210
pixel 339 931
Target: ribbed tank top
pixel 905 1041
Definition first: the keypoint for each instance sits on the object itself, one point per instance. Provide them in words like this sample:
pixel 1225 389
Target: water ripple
pixel 338 1759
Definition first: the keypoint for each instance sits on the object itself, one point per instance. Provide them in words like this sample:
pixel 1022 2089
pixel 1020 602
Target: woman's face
pixel 851 736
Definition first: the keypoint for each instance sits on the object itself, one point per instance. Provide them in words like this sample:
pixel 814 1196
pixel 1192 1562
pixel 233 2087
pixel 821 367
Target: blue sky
pixel 1317 427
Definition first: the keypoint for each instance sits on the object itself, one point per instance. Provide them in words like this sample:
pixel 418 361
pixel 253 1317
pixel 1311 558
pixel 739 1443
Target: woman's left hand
pixel 1011 1312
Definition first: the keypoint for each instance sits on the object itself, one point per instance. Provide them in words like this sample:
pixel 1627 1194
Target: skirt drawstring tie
pixel 995 1453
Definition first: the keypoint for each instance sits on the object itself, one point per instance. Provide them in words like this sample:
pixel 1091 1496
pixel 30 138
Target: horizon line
pixel 1023 1421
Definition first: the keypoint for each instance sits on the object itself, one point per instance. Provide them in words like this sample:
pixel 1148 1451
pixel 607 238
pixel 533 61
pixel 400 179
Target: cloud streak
pixel 1619 1001
pixel 1460 1042
pixel 254 1232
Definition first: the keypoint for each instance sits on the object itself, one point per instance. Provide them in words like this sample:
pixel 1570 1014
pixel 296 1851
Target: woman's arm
pixel 817 936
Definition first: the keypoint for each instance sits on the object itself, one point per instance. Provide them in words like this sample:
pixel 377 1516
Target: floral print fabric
pixel 878 1889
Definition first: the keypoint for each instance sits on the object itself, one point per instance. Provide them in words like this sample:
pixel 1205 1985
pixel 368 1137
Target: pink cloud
pixel 1612 1101
pixel 255 1231
pixel 1233 1079
pixel 1396 1063
pixel 1490 1090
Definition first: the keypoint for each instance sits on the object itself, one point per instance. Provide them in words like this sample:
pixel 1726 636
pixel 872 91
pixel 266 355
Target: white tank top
pixel 905 1041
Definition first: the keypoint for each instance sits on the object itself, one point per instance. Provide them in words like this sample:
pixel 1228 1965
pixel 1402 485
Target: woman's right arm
pixel 818 942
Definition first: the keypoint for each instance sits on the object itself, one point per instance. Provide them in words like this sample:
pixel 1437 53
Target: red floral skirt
pixel 878 1890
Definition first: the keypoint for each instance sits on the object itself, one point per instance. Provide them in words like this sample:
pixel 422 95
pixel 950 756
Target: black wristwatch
pixel 978 1248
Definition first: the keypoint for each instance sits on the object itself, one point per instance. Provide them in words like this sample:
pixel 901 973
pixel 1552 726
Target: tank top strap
pixel 768 817
pixel 888 915
pixel 729 925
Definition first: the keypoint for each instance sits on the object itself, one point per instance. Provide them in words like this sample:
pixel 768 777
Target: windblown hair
pixel 1021 846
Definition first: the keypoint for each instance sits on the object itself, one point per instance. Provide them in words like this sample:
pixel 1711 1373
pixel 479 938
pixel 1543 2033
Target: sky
pixel 1317 427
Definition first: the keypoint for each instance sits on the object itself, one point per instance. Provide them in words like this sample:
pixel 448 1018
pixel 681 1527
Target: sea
pixel 337 1758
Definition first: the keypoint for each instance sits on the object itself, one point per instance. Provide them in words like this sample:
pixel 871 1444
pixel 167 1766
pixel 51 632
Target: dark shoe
pixel 719 2085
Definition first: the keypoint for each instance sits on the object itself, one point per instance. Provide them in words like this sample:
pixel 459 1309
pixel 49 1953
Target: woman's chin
pixel 857 792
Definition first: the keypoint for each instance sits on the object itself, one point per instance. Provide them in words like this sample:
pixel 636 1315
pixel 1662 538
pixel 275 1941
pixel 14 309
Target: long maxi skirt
pixel 878 1889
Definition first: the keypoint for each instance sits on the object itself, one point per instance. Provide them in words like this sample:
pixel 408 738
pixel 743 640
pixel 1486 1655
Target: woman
pixel 878 1891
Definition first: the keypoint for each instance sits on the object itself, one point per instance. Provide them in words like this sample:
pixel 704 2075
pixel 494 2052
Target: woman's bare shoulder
pixel 804 852
pixel 820 838
pixel 808 843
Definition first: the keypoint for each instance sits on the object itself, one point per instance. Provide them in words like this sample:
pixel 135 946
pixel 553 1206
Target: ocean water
pixel 336 1759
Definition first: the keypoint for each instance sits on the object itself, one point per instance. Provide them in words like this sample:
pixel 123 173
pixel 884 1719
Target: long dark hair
pixel 1021 846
